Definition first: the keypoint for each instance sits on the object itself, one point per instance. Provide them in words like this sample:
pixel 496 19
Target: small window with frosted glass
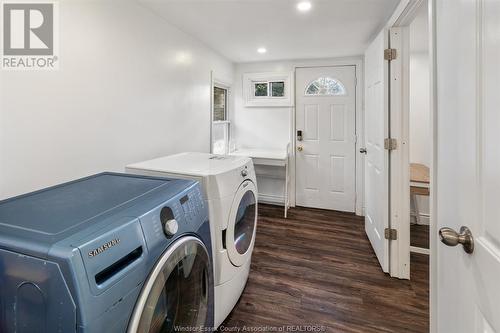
pixel 325 86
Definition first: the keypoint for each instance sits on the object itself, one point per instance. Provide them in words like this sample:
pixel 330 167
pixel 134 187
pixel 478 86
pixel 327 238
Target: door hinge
pixel 390 144
pixel 390 54
pixel 391 234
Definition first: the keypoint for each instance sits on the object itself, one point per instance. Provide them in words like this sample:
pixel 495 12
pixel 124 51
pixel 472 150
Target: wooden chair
pixel 419 185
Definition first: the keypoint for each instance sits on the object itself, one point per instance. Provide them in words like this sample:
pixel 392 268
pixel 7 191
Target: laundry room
pixel 244 165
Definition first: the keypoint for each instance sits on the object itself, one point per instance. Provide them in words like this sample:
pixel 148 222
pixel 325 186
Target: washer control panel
pixel 184 212
pixel 192 204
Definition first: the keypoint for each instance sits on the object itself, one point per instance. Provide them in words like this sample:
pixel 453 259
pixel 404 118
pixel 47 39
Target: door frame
pixel 357 63
pixel 399 96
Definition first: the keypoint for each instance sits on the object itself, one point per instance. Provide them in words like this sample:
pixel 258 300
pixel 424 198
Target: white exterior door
pixel 377 158
pixel 468 163
pixel 325 158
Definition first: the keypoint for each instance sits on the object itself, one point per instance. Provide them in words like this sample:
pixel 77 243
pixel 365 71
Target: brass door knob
pixel 300 148
pixel 450 237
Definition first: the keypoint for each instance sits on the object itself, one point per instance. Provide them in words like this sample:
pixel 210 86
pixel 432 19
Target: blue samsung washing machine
pixel 107 253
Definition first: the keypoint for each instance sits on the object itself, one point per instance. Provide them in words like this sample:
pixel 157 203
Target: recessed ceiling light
pixel 261 50
pixel 304 6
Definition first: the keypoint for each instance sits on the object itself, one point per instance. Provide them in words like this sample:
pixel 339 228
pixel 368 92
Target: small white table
pixel 270 157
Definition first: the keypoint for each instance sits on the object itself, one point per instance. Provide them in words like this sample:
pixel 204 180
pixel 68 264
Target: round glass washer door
pixel 240 235
pixel 176 293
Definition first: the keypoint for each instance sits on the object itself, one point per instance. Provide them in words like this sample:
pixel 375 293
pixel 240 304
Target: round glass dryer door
pixel 176 294
pixel 240 235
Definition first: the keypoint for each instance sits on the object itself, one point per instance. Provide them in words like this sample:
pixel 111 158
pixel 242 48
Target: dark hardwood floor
pixel 419 235
pixel 317 268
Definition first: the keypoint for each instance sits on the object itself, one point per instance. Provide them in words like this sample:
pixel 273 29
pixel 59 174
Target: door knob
pixel 451 238
pixel 362 150
pixel 300 148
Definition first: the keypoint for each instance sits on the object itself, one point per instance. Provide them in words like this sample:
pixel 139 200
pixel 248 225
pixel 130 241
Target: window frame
pixel 250 80
pixel 226 124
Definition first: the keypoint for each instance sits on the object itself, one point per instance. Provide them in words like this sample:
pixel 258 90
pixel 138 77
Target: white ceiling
pixel 236 28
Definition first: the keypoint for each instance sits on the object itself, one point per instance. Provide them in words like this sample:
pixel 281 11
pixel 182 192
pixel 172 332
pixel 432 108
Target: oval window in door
pixel 242 224
pixel 245 223
pixel 177 291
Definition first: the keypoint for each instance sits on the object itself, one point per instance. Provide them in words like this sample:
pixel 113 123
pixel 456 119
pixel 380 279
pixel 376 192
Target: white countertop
pixel 260 153
pixel 196 164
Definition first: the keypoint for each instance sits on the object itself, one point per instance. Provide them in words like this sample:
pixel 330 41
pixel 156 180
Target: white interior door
pixel 377 158
pixel 468 163
pixel 326 115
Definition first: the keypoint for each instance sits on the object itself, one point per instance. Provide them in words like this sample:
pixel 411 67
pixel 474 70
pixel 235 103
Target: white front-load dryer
pixel 230 192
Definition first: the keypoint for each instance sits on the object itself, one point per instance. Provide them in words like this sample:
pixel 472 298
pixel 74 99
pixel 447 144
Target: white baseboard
pixel 420 250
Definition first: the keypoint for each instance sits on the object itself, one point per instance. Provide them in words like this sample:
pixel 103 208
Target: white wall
pixel 130 87
pixel 261 127
pixel 258 127
pixel 420 135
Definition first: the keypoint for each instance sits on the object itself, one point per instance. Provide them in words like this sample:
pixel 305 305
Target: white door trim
pixel 399 175
pixel 350 61
pixel 403 15
pixel 433 242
